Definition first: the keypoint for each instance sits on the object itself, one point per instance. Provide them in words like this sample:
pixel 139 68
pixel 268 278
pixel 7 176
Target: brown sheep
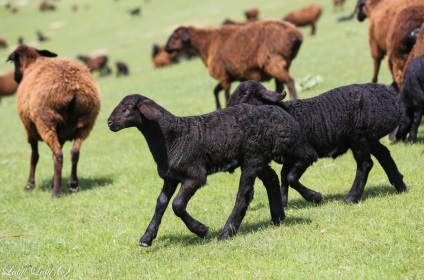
pixel 398 47
pixel 57 100
pixel 8 85
pixel 98 63
pixel 308 15
pixel 46 6
pixel 381 14
pixel 161 58
pixel 260 50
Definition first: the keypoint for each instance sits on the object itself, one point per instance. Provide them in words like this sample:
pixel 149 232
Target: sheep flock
pixel 58 99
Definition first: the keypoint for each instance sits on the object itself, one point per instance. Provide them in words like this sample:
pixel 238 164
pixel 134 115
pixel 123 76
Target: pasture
pixel 94 233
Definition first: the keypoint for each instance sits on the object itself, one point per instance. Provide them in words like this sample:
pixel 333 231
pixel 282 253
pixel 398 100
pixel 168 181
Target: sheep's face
pixel 24 56
pixel 133 110
pixel 254 93
pixel 179 40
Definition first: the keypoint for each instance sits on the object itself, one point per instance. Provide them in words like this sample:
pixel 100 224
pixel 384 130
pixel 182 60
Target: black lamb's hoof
pixel 203 231
pixel 351 200
pixel 145 241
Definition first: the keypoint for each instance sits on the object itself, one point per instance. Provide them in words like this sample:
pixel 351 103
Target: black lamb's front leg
pixel 244 197
pixel 179 205
pixel 168 190
pixel 364 165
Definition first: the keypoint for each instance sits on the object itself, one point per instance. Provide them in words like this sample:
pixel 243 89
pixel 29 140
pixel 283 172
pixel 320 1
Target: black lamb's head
pixel 254 93
pixel 133 110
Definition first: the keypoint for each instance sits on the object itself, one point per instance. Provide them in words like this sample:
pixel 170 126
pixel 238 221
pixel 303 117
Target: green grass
pixel 94 233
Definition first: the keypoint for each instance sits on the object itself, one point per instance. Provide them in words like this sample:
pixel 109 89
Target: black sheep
pixel 188 149
pixel 412 95
pixel 350 117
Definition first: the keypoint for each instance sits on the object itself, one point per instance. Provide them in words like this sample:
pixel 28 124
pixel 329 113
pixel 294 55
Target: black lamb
pixel 412 96
pixel 188 149
pixel 350 117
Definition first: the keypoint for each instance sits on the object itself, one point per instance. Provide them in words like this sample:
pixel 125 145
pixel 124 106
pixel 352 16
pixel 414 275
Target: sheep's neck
pixel 201 41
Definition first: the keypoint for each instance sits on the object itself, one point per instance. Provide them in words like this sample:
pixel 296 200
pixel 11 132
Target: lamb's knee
pixel 179 207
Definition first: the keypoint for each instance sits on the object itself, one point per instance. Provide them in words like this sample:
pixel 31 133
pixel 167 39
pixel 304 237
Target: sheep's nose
pixel 109 123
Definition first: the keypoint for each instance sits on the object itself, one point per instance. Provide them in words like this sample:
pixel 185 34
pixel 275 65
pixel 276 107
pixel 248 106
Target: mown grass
pixel 94 233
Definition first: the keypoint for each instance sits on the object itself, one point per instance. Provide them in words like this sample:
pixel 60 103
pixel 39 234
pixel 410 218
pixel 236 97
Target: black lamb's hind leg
pixel 364 165
pixel 179 205
pixel 168 190
pixel 412 138
pixel 290 176
pixel 270 180
pixel 382 154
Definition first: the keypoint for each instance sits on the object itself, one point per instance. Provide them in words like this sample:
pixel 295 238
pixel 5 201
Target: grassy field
pixel 94 234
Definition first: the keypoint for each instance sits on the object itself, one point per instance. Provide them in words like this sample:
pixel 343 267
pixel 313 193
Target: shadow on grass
pixel 369 193
pixel 190 239
pixel 85 184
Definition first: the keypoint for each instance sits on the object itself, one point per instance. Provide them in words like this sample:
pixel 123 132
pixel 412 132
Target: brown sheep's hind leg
pixel 73 179
pixel 34 160
pixel 52 141
pixel 281 75
pixel 216 91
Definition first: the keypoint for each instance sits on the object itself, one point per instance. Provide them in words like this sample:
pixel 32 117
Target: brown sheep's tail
pixel 296 46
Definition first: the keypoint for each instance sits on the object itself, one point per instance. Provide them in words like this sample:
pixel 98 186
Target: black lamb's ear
pixel 273 96
pixel 149 111
pixel 46 53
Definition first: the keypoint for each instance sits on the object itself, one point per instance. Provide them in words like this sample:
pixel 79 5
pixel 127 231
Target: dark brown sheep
pixel 381 14
pixel 57 100
pixel 3 43
pixel 305 16
pixel 252 14
pixel 121 69
pixel 161 58
pixel 46 6
pixel 98 63
pixel 417 50
pixel 260 50
pixel 41 37
pixel 8 85
pixel 398 48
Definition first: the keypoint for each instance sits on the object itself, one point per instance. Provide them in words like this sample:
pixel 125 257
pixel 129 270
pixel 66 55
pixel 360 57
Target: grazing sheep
pixel 57 100
pixel 381 14
pixel 135 11
pixel 351 117
pixel 188 149
pixel 8 85
pixel 399 46
pixel 252 14
pixel 412 96
pixel 260 50
pixel 3 43
pixel 98 63
pixel 308 15
pixel 121 69
pixel 161 58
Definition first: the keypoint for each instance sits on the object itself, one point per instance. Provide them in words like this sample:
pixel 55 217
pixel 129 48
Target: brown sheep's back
pixel 305 16
pixel 61 90
pixel 233 47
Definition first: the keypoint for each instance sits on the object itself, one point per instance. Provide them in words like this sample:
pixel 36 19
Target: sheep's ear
pixel 46 53
pixel 11 57
pixel 149 111
pixel 273 96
